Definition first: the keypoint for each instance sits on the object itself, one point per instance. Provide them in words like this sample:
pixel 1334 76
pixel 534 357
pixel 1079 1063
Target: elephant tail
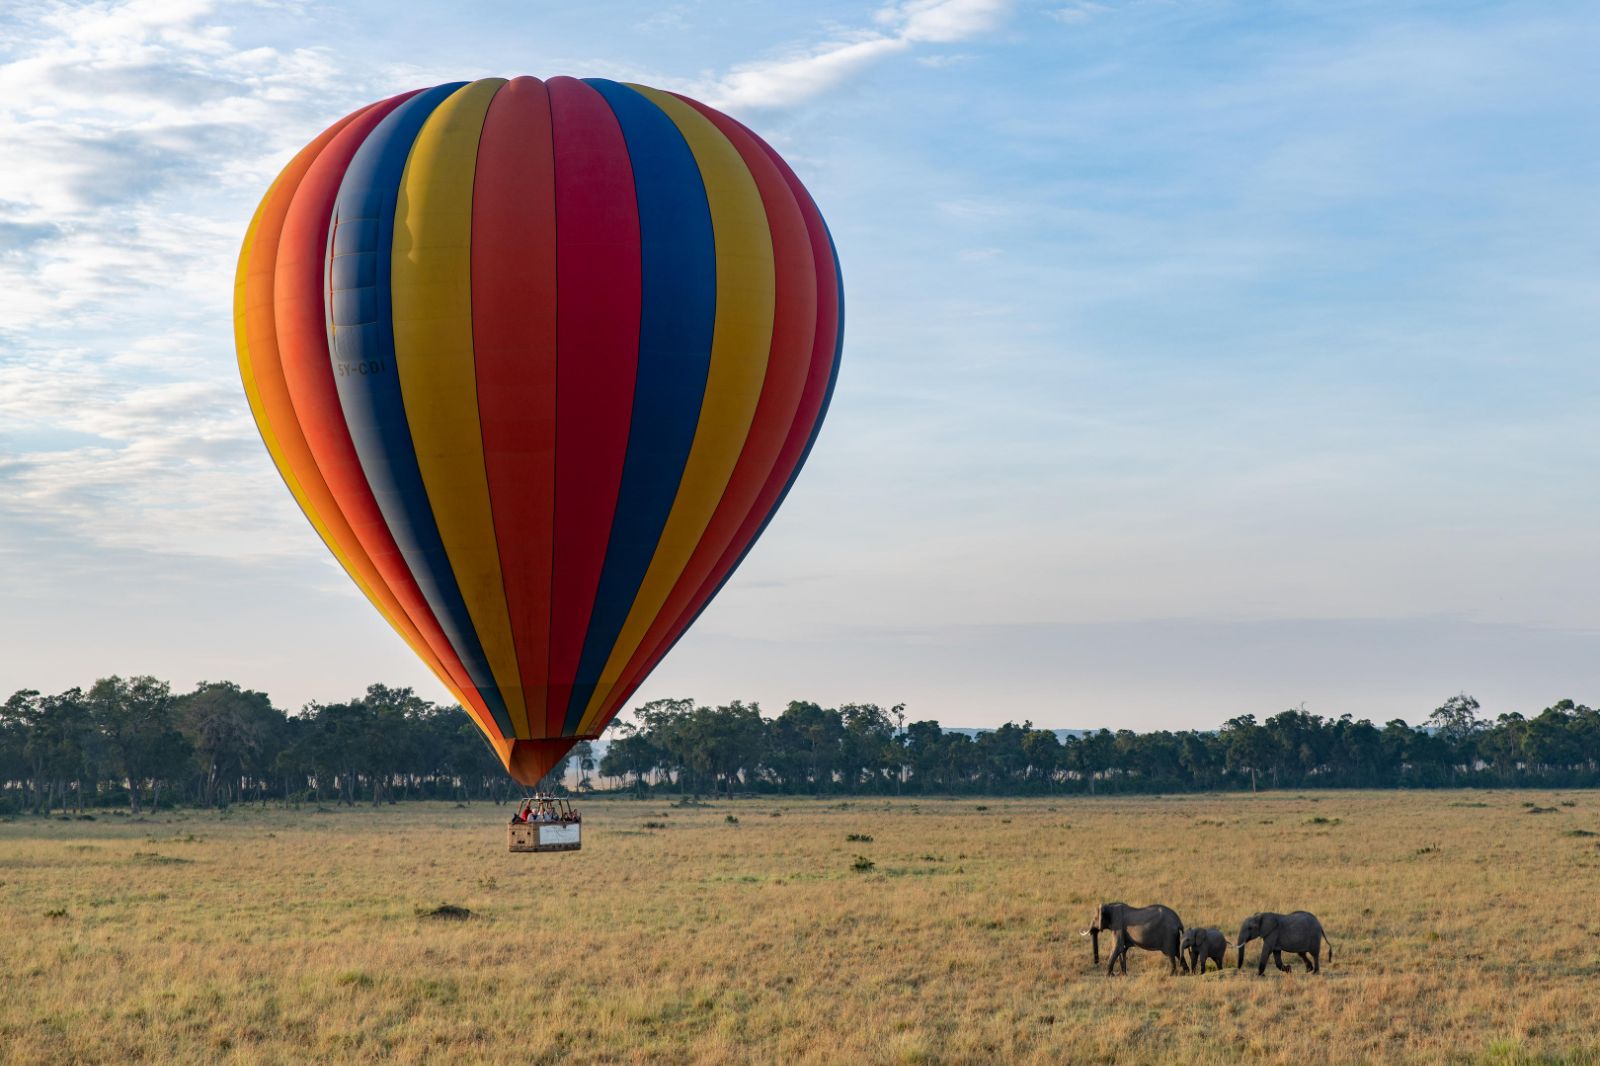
pixel 1330 946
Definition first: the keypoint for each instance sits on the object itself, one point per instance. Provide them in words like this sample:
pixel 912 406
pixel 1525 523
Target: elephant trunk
pixel 1094 939
pixel 1240 964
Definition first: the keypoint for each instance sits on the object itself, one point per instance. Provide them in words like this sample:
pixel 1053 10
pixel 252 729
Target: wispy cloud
pixel 157 462
pixel 123 127
pixel 1078 11
pixel 900 27
pixel 109 110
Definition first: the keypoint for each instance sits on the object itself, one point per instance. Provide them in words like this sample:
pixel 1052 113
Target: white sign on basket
pixel 558 834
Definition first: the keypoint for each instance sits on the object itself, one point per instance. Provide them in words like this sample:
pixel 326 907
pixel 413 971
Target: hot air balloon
pixel 539 360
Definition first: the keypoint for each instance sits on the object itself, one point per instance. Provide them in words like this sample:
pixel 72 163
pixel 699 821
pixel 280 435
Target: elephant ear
pixel 1269 922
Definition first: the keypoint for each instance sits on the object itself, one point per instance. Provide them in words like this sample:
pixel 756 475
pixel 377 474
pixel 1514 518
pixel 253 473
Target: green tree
pixel 1041 749
pixel 1092 755
pixel 138 730
pixel 1249 748
pixel 808 745
pixel 631 753
pixel 583 755
pixel 227 726
pixel 1456 722
pixel 866 745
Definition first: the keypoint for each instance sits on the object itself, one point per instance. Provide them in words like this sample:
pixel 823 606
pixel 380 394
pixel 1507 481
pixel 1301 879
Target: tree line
pixel 135 742
pixel 865 748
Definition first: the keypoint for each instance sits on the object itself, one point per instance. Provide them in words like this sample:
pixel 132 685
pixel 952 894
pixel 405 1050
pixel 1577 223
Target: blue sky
pixel 1202 358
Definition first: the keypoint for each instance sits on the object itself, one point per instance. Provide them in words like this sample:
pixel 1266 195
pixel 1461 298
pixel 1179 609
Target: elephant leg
pixel 1316 959
pixel 1305 958
pixel 1118 949
pixel 1277 960
pixel 1261 963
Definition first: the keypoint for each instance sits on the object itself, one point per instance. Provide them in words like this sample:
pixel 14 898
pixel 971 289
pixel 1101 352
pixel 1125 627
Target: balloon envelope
pixel 539 361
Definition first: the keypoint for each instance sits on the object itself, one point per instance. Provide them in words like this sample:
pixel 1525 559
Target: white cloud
pixel 1080 11
pixel 779 83
pixel 170 466
pixel 135 137
pixel 112 118
pixel 946 21
pixel 787 80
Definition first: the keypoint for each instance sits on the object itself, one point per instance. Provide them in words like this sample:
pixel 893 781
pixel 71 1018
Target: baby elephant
pixel 1204 945
pixel 1299 932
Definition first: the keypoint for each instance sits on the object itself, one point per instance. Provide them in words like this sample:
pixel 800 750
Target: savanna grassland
pixel 1466 925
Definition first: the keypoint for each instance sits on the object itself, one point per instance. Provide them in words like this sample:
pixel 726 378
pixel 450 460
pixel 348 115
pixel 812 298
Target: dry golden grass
pixel 1466 930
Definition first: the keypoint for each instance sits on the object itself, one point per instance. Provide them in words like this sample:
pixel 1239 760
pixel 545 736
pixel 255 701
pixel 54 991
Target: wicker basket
pixel 546 836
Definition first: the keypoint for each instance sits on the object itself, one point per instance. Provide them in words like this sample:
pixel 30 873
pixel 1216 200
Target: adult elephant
pixel 1153 928
pixel 1299 932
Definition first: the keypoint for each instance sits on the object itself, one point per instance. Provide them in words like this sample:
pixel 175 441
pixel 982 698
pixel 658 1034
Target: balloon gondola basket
pixel 553 825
